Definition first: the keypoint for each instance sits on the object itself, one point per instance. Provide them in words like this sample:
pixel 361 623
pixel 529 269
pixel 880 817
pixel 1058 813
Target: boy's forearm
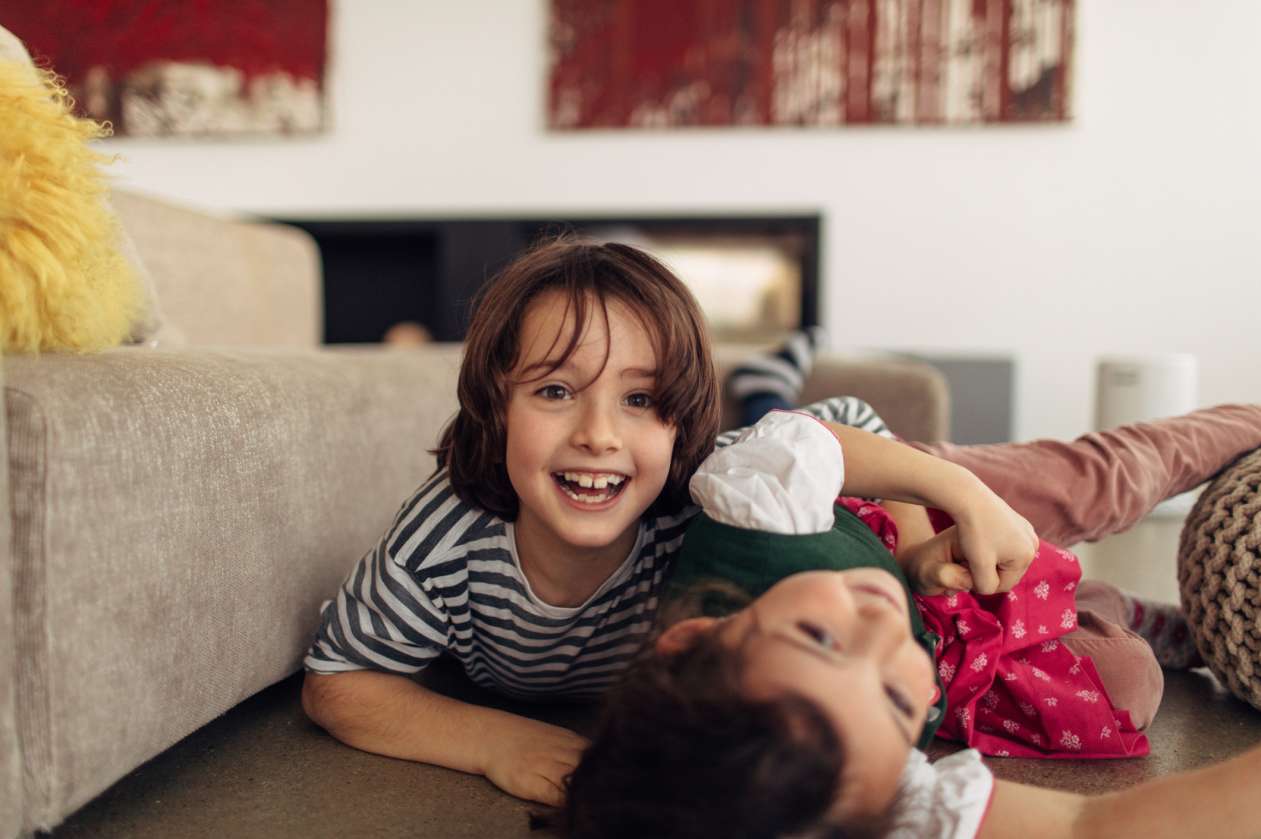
pixel 877 467
pixel 392 715
pixel 1219 800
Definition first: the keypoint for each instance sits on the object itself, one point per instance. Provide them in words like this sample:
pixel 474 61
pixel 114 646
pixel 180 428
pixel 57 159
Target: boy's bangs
pixel 578 302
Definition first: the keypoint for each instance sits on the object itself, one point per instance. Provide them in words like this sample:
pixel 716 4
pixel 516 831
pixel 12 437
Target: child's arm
pixel 1219 800
pixel 391 715
pixel 997 542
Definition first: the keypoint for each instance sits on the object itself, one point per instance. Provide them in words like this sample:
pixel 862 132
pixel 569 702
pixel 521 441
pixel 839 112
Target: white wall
pixel 1133 229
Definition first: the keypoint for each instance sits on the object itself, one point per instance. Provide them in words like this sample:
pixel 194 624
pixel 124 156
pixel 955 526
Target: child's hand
pixel 996 541
pixel 531 760
pixel 933 566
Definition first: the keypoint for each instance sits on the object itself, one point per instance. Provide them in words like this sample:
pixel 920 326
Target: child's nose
pixel 878 632
pixel 596 431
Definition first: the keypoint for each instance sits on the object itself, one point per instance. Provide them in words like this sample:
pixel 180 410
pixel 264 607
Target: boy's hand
pixel 933 566
pixel 531 760
pixel 996 541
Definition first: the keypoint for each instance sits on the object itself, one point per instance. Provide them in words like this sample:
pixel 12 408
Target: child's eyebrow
pixel 550 366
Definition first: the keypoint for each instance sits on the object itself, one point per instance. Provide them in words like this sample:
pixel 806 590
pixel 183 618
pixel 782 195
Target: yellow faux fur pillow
pixel 64 285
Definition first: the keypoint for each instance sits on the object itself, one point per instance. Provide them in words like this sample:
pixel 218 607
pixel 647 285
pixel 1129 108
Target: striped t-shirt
pixel 445 577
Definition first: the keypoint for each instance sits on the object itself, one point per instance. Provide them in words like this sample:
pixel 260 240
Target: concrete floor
pixel 263 770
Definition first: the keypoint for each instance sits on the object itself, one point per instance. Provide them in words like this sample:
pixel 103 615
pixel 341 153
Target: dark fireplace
pixel 755 276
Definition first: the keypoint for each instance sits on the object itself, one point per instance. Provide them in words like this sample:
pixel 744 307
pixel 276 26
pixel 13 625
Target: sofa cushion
pixel 224 282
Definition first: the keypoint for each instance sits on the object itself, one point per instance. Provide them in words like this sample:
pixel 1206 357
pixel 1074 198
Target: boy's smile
pixel 586 451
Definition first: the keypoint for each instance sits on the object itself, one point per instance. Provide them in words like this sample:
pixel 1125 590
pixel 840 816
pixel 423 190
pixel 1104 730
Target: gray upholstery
pixel 223 282
pixel 10 754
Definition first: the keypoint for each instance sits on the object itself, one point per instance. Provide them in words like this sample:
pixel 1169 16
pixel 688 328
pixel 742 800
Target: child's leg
pixel 1106 481
pixel 1124 660
pixel 774 380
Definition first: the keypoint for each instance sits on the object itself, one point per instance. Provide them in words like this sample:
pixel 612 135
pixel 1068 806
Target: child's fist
pixel 935 565
pixel 532 760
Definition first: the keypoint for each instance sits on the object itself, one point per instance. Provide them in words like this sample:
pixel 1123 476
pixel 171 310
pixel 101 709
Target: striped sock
pixel 1164 626
pixel 781 373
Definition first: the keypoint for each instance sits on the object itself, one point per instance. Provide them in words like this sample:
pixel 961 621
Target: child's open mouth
pixel 591 487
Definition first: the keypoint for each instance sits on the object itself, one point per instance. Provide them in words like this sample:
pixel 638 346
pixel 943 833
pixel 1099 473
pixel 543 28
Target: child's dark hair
pixel 680 752
pixel 587 274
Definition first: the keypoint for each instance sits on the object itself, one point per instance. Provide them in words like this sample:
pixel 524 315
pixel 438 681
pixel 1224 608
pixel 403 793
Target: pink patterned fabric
pixel 1013 689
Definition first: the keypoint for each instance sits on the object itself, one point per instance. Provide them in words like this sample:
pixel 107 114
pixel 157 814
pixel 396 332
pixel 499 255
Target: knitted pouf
pixel 1219 574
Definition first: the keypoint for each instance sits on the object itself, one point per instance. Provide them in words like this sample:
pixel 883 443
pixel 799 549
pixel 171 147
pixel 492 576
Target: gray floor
pixel 263 770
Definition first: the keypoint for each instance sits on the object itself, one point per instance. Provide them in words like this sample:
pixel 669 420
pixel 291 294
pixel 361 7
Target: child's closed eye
pixel 818 635
pixel 900 702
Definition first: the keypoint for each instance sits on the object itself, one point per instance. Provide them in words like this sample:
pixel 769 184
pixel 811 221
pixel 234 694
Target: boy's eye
pixel 553 392
pixel 899 701
pixel 640 400
pixel 818 634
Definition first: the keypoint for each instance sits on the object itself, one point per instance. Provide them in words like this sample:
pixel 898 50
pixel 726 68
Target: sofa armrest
pixel 178 519
pixel 912 397
pixel 10 747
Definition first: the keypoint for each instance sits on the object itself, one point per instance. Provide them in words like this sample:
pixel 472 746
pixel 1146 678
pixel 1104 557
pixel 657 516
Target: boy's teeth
pixel 586 499
pixel 588 480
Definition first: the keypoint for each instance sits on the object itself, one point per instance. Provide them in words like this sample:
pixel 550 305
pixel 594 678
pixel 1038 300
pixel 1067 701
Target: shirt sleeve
pixel 943 800
pixel 845 410
pixel 381 619
pixel 781 475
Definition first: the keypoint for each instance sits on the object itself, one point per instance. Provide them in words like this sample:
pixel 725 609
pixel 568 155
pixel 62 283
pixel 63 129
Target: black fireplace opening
pixel 754 276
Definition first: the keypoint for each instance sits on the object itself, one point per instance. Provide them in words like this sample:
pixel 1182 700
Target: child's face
pixel 843 641
pixel 586 452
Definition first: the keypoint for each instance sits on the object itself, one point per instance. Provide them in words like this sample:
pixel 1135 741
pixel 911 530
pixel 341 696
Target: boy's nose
pixel 596 432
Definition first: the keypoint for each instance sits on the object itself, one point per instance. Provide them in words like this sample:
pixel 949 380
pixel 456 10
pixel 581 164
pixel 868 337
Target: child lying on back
pixel 800 712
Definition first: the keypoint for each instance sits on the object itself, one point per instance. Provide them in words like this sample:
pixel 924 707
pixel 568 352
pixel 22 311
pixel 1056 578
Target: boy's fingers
pixel 984 575
pixel 546 791
pixel 953 577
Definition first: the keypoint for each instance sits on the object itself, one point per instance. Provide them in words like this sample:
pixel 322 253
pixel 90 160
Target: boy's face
pixel 586 452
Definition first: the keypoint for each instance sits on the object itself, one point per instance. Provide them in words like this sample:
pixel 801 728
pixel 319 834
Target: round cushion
pixel 1219 574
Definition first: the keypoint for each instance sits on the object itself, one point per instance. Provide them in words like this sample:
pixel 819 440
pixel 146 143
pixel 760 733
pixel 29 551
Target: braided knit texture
pixel 1219 575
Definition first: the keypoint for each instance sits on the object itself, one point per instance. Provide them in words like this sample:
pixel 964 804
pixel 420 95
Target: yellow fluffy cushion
pixel 64 285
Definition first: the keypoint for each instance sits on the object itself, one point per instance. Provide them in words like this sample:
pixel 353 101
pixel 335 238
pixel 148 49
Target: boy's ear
pixel 680 636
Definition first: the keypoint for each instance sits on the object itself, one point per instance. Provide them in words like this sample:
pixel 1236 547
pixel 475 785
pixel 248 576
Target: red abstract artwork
pixel 665 63
pixel 185 67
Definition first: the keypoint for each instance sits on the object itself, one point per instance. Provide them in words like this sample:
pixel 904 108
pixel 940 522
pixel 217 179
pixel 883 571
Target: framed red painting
pixel 664 63
pixel 185 67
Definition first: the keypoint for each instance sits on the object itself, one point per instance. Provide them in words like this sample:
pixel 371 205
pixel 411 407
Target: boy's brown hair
pixel 586 274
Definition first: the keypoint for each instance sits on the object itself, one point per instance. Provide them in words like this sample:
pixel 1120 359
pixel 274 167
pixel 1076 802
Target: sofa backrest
pixel 223 282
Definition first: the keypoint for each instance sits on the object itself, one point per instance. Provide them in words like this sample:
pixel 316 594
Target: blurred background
pixel 1031 248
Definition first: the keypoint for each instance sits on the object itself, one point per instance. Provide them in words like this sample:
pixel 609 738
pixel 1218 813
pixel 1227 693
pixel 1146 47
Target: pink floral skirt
pixel 1013 688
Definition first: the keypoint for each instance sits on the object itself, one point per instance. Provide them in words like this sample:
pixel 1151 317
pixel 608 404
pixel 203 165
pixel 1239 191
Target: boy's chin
pixel 598 536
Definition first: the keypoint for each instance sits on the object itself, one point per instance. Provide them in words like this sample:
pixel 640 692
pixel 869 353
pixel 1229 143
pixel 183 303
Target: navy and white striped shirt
pixel 445 577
